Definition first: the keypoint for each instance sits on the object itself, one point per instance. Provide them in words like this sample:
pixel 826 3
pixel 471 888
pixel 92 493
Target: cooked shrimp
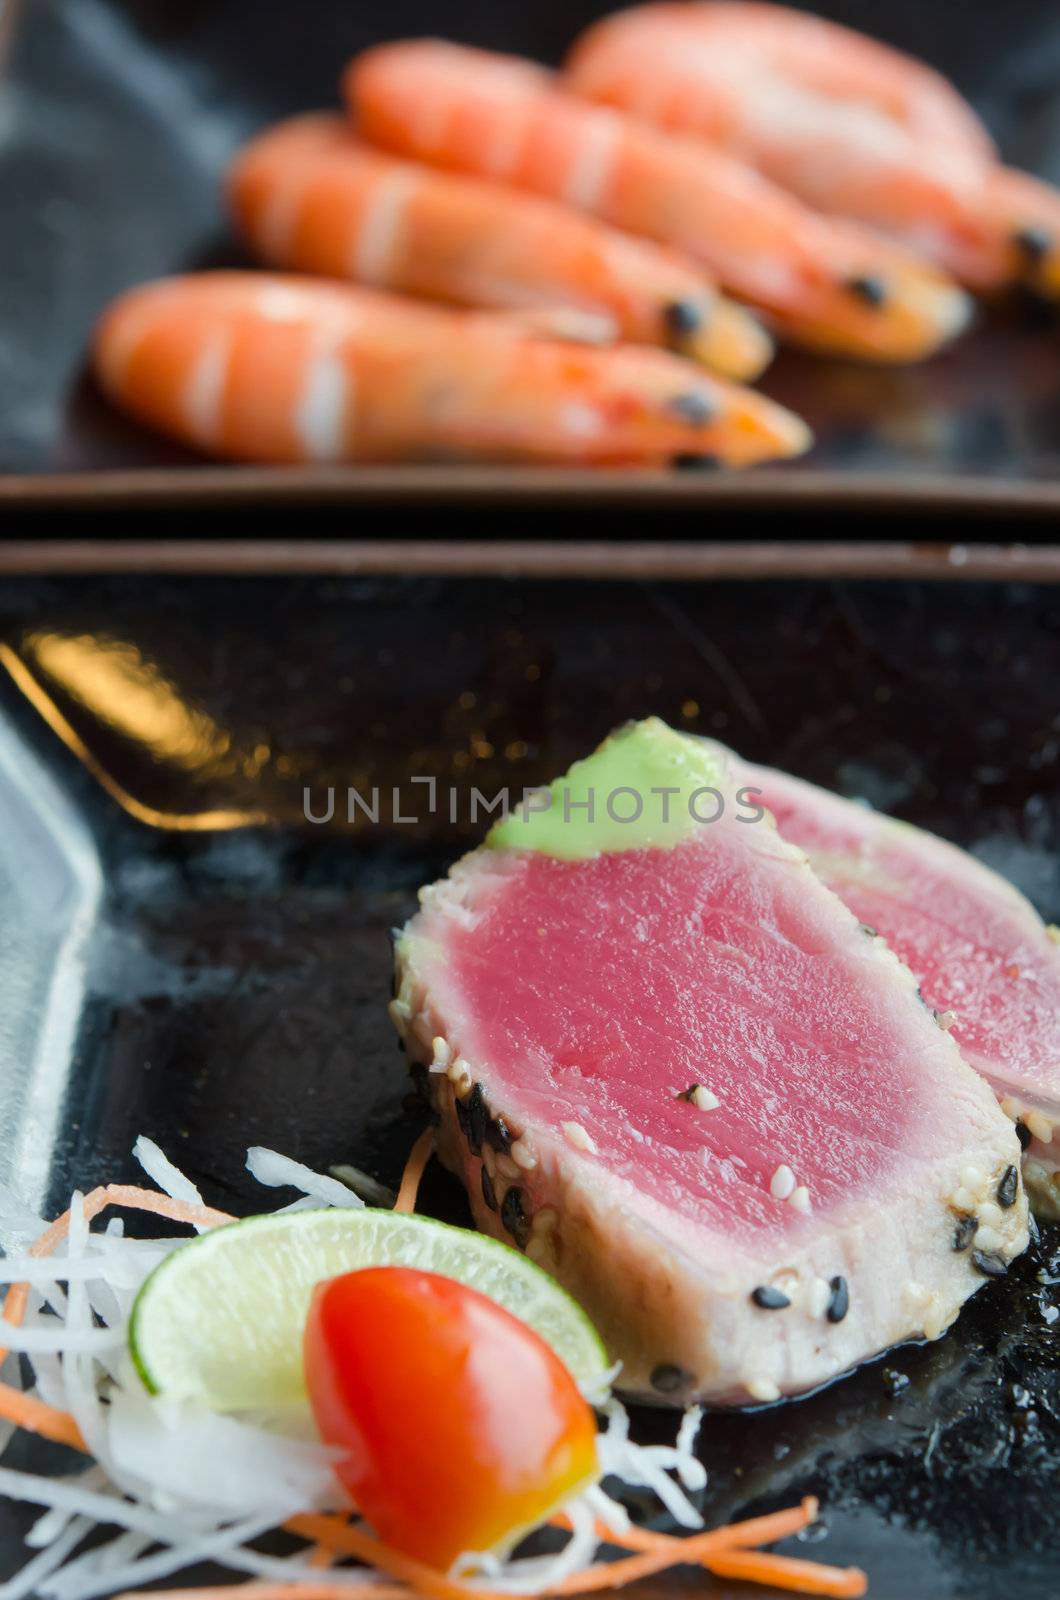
pixel 824 283
pixel 309 196
pixel 262 367
pixel 849 125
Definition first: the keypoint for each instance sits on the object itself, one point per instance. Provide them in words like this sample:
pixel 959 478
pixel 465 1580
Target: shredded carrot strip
pixel 664 1550
pixel 27 1411
pixel 350 1541
pixel 785 1572
pixel 415 1166
pixel 745 1535
pixel 134 1199
pixel 279 1591
pixel 17 1297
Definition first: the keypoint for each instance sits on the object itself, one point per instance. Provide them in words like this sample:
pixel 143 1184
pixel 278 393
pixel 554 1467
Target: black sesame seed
pixel 1008 1188
pixel 1033 1229
pixel 839 1304
pixel 768 1298
pixel 477 1118
pixel 869 288
pixel 989 1264
pixel 683 317
pixel 489 1194
pixel 965 1232
pixel 1023 1134
pixel 866 927
pixel 1034 243
pixel 463 1118
pixel 498 1135
pixel 694 408
pixel 694 463
pixel 668 1378
pixel 515 1217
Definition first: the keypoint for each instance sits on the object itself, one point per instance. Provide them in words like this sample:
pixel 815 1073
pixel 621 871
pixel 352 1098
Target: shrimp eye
pixel 693 408
pixel 869 288
pixel 683 317
pixel 1033 243
pixel 695 463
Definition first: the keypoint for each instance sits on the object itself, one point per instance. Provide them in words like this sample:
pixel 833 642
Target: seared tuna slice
pixel 670 1066
pixel 985 961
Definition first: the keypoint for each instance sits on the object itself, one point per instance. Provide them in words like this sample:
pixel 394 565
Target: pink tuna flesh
pixel 578 998
pixel 984 959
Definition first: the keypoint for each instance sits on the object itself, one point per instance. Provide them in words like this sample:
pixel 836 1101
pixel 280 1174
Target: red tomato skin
pixel 459 1427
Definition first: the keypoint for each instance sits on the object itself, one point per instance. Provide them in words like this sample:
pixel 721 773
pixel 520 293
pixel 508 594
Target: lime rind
pixel 220 1321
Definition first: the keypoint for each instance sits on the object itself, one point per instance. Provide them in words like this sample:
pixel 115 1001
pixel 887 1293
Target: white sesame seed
pixel 819 1297
pixel 399 1014
pixel 763 1389
pixel 442 1055
pixel 782 1183
pixel 704 1099
pixel 577 1137
pixel 946 1020
pixel 800 1199
pixel 460 1076
pixel 523 1154
pixel 1039 1126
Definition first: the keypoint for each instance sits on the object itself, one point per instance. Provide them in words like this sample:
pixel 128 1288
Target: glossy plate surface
pixel 182 953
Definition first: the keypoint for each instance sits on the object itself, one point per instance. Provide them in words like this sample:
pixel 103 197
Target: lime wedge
pixel 221 1320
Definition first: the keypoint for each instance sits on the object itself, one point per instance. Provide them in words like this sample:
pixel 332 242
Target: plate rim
pixel 557 560
pixel 763 489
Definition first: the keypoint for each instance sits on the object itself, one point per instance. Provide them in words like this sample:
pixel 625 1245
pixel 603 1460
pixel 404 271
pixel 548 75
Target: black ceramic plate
pixel 182 953
pixel 117 119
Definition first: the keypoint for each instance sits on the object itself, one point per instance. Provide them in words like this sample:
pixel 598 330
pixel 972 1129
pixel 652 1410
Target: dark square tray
pixel 183 954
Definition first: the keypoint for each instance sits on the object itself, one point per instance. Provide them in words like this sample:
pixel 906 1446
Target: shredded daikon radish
pixel 180 1484
pixel 280 1172
pixel 163 1174
pixel 30 1580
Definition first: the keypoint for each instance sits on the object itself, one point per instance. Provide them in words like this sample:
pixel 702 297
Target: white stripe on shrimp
pixel 205 389
pixel 374 246
pixel 276 227
pixel 592 164
pixel 324 407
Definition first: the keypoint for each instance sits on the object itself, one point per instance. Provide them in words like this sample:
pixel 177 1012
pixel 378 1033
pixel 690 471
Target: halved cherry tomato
pixel 459 1427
